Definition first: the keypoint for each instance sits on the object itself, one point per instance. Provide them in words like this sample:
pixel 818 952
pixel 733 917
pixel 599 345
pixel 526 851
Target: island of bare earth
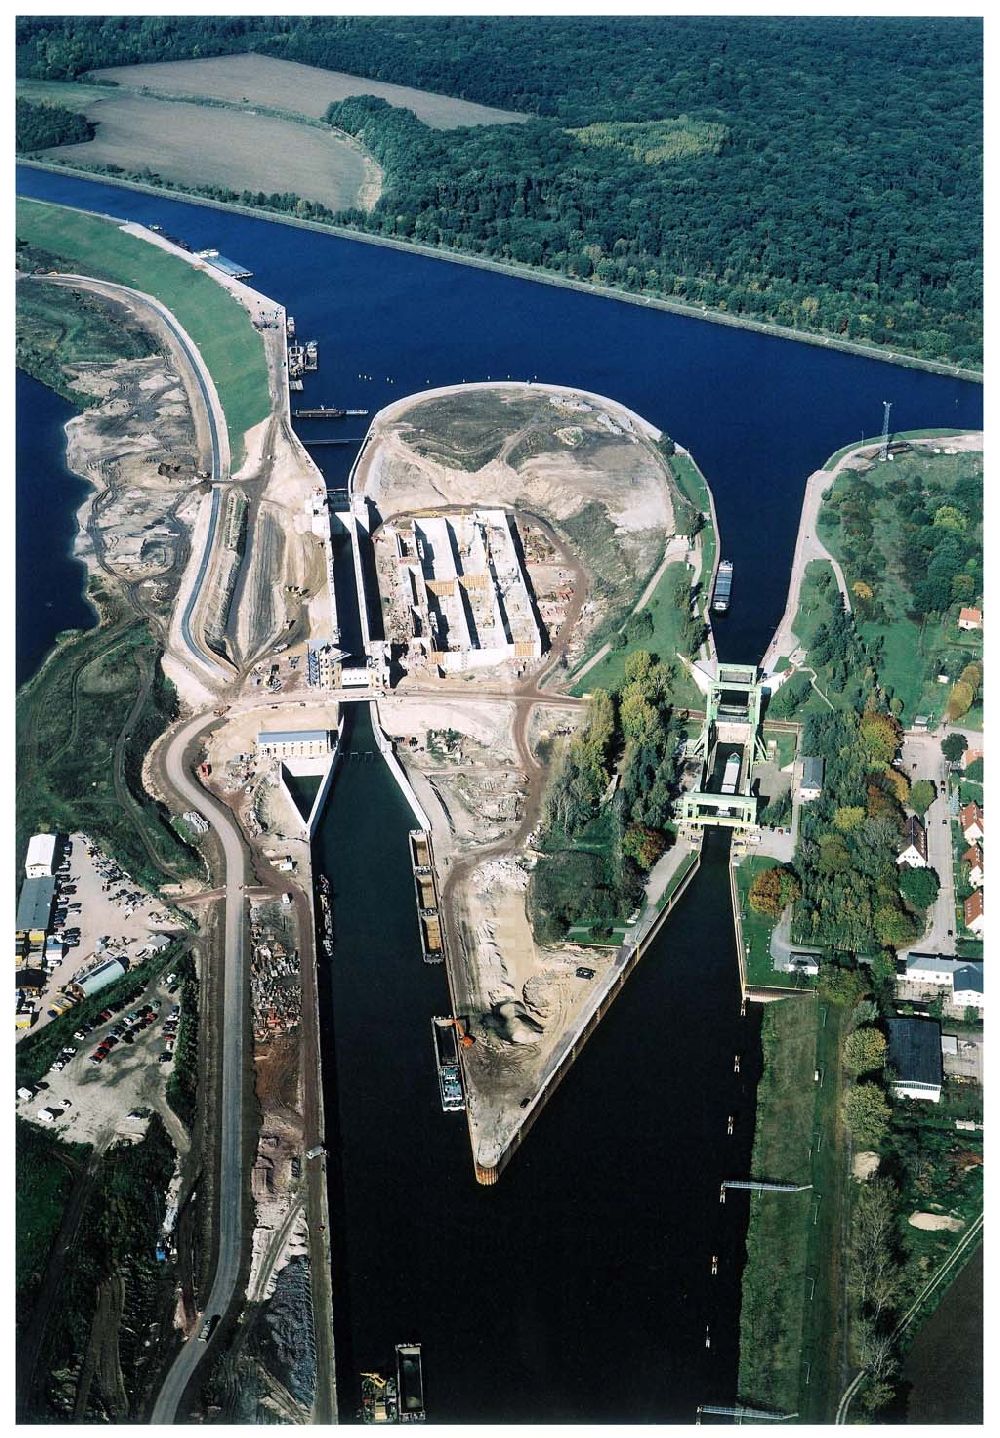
pixel 513 528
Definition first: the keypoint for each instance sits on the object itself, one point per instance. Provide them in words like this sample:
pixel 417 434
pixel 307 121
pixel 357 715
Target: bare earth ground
pixel 195 145
pixel 583 464
pixel 583 472
pixel 302 89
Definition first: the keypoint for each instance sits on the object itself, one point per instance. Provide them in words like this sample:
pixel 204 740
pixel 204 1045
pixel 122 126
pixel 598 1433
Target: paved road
pixel 230 1178
pixel 807 548
pixel 218 437
pixel 922 759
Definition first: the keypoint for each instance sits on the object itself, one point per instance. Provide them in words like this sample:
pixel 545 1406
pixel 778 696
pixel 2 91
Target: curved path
pixel 230 1177
pixel 944 1275
pixel 204 388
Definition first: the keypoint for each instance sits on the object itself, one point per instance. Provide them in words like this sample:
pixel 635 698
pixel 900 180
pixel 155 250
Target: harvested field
pixel 299 89
pixel 193 145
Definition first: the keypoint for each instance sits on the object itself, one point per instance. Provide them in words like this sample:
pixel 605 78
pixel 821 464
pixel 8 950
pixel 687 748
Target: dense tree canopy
pixel 39 127
pixel 821 172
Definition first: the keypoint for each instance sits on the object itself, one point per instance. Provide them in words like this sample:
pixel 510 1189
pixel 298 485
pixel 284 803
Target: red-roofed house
pixel 974 912
pixel 970 619
pixel 970 756
pixel 973 856
pixel 970 817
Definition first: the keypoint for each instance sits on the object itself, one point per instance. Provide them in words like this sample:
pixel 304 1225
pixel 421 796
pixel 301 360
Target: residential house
pixel 914 844
pixel 967 987
pixel 974 912
pixel 970 818
pixel 811 783
pixel 915 1058
pixel 934 970
pixel 973 858
pixel 970 618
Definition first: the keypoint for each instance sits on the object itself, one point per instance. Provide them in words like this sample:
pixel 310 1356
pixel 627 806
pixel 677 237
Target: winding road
pixel 230 1125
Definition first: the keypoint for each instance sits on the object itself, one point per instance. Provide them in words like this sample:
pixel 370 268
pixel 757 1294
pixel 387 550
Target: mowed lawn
pixel 298 89
pixel 230 346
pixel 201 146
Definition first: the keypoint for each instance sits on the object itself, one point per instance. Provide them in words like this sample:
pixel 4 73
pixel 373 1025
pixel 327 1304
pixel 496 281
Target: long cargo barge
pixel 324 411
pixel 399 1398
pixel 723 587
pixel 425 883
pixel 448 1067
pixel 410 1383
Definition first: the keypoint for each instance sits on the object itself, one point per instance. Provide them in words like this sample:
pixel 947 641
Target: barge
pixel 324 411
pixel 723 587
pixel 326 913
pixel 410 1383
pixel 730 777
pixel 398 1398
pixel 449 1069
pixel 425 883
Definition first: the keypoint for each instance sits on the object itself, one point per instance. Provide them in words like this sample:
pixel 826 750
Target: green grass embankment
pixel 69 717
pixel 791 1324
pixel 757 928
pixel 663 642
pixel 231 348
pixel 775 1286
pixel 57 327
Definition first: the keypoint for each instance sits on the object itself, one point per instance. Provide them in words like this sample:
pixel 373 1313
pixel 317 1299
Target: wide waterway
pixel 579 1288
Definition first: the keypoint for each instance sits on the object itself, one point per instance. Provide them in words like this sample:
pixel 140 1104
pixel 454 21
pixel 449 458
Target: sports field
pixel 232 349
pixel 299 89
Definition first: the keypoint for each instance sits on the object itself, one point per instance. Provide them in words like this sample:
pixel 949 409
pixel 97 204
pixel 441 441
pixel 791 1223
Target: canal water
pixel 579 1288
pixel 49 579
pixel 758 413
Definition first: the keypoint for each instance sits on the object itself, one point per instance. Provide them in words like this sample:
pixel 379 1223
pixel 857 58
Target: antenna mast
pixel 884 451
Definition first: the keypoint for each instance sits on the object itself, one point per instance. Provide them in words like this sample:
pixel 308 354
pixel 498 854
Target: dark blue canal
pixel 579 1288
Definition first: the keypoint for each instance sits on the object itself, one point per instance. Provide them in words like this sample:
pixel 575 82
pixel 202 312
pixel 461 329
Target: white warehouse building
pixel 293 743
pixel 41 856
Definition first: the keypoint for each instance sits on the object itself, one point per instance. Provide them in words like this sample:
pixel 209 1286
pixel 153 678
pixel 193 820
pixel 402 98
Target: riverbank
pixel 526 272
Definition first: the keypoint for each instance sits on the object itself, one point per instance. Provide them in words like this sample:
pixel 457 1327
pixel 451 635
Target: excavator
pixel 464 1037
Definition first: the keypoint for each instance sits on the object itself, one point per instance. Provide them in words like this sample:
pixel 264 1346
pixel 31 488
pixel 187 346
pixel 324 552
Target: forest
pixel 608 805
pixel 37 127
pixel 820 173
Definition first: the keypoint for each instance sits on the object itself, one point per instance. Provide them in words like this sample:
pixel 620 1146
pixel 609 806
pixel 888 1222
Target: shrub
pixel 866 1114
pixel 922 795
pixel 864 1050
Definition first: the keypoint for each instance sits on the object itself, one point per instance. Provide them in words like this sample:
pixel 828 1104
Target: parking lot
pixel 121 1064
pixel 100 913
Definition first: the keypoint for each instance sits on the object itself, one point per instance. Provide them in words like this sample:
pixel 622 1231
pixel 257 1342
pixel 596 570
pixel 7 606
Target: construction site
pixel 506 522
pixel 458 595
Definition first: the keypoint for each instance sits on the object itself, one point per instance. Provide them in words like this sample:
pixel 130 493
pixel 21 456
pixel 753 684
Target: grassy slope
pixel 663 642
pixel 231 348
pixel 69 716
pixel 757 928
pixel 774 1281
pixel 791 1323
pixel 58 327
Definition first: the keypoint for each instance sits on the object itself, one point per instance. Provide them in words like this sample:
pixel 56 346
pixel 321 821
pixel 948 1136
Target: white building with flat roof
pixel 293 743
pixel 41 856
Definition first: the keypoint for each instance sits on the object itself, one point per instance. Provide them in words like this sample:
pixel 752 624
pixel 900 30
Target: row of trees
pixel 845 197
